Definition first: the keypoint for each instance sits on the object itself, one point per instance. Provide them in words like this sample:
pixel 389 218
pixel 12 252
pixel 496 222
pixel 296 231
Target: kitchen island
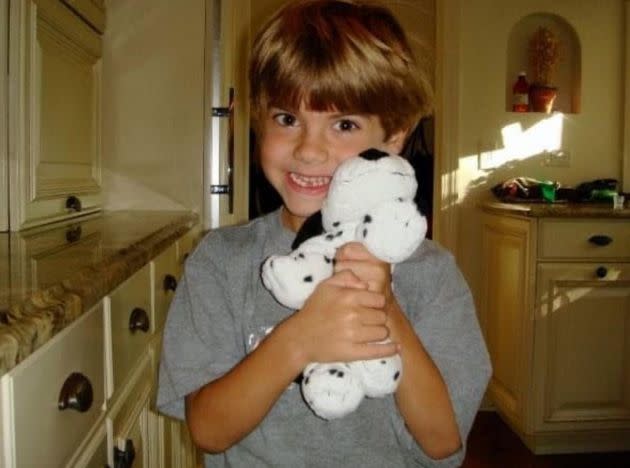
pixel 82 305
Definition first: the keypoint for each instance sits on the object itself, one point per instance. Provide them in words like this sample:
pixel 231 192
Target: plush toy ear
pixel 310 228
pixel 373 154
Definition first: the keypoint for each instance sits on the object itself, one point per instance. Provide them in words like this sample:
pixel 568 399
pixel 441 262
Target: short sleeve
pixel 200 342
pixel 438 302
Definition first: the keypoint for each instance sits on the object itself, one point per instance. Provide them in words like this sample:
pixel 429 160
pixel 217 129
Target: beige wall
pixel 593 137
pixel 153 93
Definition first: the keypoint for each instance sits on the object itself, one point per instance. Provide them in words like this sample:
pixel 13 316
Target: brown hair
pixel 344 55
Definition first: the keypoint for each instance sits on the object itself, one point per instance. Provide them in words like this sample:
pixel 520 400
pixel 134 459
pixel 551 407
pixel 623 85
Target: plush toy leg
pixel 292 278
pixel 392 231
pixel 379 377
pixel 331 390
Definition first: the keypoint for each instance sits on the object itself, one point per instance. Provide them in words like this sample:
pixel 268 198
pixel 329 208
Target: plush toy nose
pixel 373 154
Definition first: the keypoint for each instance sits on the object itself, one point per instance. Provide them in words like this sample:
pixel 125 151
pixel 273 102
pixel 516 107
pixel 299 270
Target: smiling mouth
pixel 308 181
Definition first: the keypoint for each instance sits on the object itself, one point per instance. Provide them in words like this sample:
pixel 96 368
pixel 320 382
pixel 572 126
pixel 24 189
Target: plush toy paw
pixel 331 390
pixel 292 278
pixel 379 377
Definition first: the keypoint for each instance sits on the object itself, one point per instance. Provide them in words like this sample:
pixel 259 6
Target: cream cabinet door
pixel 55 396
pixel 582 346
pixel 54 113
pixel 130 326
pixel 94 453
pixel 128 420
pixel 507 249
pixel 165 274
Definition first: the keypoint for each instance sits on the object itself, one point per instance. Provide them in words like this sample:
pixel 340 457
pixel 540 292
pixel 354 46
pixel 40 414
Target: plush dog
pixel 370 200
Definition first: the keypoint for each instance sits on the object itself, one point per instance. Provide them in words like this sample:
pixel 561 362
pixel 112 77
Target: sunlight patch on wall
pixel 543 137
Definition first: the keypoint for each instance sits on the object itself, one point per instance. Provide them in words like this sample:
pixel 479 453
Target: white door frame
pixel 626 110
pixel 4 117
pixel 445 208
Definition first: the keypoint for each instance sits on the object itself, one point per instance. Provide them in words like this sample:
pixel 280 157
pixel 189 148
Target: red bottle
pixel 520 90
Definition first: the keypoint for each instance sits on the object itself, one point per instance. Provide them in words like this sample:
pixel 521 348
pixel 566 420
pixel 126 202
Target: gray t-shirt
pixel 221 311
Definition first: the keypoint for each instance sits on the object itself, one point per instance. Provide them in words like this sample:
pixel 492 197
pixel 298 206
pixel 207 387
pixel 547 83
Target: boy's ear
pixel 396 141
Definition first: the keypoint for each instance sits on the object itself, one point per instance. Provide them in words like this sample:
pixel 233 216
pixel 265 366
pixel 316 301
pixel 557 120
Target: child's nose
pixel 311 148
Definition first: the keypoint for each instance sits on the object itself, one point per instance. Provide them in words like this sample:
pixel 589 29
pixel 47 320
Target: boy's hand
pixel 354 257
pixel 342 321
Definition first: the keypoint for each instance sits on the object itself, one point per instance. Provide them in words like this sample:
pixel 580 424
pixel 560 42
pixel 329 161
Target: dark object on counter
pixel 599 190
pixel 530 190
pixel 526 189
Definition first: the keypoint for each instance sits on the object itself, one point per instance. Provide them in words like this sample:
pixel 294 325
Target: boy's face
pixel 300 150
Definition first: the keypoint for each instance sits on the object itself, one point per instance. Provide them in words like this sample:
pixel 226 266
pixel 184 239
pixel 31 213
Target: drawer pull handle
pixel 76 393
pixel 73 204
pixel 600 240
pixel 138 320
pixel 73 234
pixel 170 283
pixel 601 272
pixel 124 458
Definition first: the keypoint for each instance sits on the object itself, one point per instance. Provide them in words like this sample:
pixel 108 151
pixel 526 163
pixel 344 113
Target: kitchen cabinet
pixel 555 307
pixel 54 111
pixel 104 367
pixel 57 395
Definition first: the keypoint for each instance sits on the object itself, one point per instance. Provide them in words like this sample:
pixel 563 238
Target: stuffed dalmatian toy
pixel 370 200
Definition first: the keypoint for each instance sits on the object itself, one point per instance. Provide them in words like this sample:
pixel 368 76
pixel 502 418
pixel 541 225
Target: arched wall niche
pixel 568 73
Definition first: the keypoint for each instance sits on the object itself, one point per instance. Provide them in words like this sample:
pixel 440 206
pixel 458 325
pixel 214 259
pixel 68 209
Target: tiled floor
pixel 492 444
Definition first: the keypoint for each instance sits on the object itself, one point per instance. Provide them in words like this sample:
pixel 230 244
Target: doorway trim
pixel 445 224
pixel 4 117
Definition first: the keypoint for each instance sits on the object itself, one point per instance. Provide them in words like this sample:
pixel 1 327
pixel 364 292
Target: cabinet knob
pixel 138 320
pixel 123 458
pixel 73 203
pixel 73 234
pixel 600 240
pixel 76 393
pixel 601 272
pixel 170 283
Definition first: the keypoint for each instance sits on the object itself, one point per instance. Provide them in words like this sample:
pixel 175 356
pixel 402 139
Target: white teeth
pixel 305 181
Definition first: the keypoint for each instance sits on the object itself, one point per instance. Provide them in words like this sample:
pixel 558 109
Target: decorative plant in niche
pixel 544 55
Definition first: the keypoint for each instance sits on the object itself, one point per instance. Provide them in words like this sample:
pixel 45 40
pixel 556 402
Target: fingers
pixel 371 334
pixel 373 317
pixel 353 251
pixel 347 279
pixel 375 350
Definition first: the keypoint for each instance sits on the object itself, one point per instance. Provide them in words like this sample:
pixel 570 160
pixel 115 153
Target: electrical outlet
pixel 557 158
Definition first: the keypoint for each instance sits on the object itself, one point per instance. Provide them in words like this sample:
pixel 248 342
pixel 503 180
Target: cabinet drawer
pixel 166 273
pixel 592 238
pixel 132 325
pixel 44 435
pixel 186 244
pixel 94 454
pixel 129 418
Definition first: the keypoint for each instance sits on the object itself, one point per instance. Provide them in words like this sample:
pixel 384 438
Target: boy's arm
pixel 225 410
pixel 341 321
pixel 422 396
pixel 446 366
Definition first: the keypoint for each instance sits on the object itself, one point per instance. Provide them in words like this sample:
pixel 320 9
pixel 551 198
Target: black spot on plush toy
pixel 370 200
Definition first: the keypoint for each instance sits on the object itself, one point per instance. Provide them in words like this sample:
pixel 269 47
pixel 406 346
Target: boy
pixel 329 78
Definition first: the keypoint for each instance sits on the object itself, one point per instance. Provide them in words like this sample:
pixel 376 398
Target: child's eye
pixel 285 119
pixel 346 125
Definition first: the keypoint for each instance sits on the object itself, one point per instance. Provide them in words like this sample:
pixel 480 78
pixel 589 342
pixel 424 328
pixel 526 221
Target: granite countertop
pixel 558 210
pixel 51 275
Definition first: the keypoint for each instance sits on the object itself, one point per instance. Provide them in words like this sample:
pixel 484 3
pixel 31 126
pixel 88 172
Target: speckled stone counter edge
pixel 30 324
pixel 556 210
